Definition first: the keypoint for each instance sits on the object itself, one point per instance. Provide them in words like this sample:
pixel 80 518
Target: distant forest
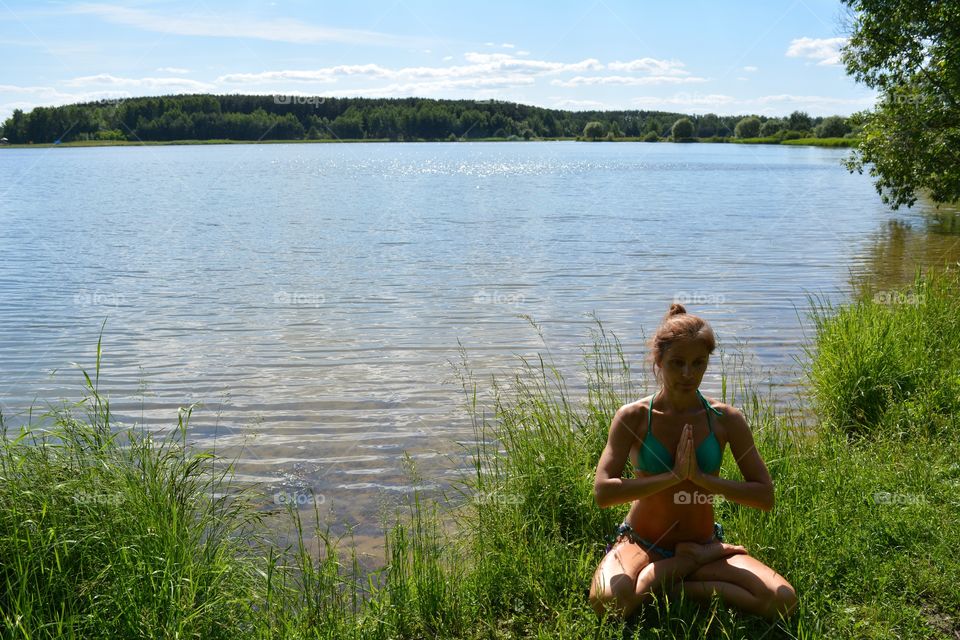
pixel 286 117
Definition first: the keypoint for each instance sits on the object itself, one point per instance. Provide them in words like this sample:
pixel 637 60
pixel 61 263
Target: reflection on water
pixel 919 239
pixel 311 298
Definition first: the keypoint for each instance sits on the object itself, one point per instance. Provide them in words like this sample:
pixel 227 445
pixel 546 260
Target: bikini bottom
pixel 626 530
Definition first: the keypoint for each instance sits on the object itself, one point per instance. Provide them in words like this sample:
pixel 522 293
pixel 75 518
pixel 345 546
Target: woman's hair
pixel 678 325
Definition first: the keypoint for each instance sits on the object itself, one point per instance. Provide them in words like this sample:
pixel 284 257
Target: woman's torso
pixel 683 512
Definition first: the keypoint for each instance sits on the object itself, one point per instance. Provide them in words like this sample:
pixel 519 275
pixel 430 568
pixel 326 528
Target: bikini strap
pixel 709 408
pixel 650 414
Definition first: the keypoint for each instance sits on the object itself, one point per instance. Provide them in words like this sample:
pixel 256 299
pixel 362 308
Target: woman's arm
pixel 609 488
pixel 757 488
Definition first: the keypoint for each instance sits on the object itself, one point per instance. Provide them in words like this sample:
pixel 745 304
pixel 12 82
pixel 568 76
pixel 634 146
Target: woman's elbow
pixel 600 495
pixel 766 504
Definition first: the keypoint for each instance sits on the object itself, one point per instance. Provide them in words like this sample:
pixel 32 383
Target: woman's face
pixel 683 365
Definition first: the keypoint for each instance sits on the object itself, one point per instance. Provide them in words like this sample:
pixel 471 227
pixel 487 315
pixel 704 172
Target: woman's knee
pixel 782 601
pixel 618 593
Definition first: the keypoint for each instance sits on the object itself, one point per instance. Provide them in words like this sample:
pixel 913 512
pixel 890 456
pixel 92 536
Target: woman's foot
pixel 706 553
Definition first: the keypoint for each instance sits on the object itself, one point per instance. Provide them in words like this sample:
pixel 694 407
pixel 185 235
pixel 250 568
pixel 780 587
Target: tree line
pixel 285 117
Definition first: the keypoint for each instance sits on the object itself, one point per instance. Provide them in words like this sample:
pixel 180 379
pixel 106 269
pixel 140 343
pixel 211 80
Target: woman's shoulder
pixel 634 414
pixel 728 415
pixel 635 409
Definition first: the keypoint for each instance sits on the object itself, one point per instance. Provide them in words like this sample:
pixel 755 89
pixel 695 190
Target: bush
pixel 593 130
pixel 748 127
pixel 771 127
pixel 110 134
pixel 682 130
pixel 651 137
pixel 832 127
pixel 889 352
pixel 788 135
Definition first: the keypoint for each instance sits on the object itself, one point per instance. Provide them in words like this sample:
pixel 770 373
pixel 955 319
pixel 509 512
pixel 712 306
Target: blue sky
pixel 758 57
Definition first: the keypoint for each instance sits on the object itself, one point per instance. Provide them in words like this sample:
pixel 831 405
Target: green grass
pixel 890 362
pixel 866 523
pixel 811 142
pixel 767 140
pixel 823 142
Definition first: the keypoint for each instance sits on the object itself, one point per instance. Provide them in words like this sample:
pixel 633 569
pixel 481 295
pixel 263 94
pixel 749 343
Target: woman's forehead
pixel 688 349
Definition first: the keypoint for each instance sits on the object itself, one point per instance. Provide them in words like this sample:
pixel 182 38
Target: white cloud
pixel 769 105
pixel 826 51
pixel 750 69
pixel 172 84
pixel 176 70
pixel 685 101
pixel 653 71
pixel 579 81
pixel 651 66
pixel 323 75
pixel 26 98
pixel 505 61
pixel 227 25
pixel 578 105
pixel 434 87
pixel 486 68
pixel 820 104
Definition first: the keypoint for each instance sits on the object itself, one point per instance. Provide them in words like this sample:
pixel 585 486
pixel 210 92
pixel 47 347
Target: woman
pixel 675 440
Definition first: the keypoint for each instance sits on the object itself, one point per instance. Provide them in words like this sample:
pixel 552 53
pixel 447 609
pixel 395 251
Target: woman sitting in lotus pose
pixel 669 541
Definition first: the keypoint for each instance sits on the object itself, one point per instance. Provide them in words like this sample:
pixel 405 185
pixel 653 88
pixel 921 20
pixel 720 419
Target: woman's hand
pixel 706 553
pixel 685 464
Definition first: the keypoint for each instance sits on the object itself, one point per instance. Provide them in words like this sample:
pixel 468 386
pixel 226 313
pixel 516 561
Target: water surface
pixel 312 297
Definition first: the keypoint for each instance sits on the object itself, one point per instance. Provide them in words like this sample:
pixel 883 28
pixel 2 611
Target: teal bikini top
pixel 653 457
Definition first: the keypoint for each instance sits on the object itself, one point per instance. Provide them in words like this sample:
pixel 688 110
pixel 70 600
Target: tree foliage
pixel 277 117
pixel 909 51
pixel 832 127
pixel 749 127
pixel 800 121
pixel 682 129
pixel 772 127
pixel 593 130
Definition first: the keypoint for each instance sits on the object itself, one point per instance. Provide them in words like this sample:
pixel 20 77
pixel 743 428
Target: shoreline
pixel 811 142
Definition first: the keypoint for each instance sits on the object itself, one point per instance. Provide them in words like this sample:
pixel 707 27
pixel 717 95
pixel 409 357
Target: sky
pixel 729 58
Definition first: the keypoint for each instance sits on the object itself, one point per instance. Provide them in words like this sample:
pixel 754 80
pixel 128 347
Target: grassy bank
pixel 107 534
pixel 809 142
pixel 155 143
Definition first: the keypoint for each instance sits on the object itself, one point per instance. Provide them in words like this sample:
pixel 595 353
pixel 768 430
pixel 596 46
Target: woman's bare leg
pixel 659 575
pixel 743 582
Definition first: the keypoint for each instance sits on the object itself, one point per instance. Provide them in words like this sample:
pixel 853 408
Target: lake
pixel 312 296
